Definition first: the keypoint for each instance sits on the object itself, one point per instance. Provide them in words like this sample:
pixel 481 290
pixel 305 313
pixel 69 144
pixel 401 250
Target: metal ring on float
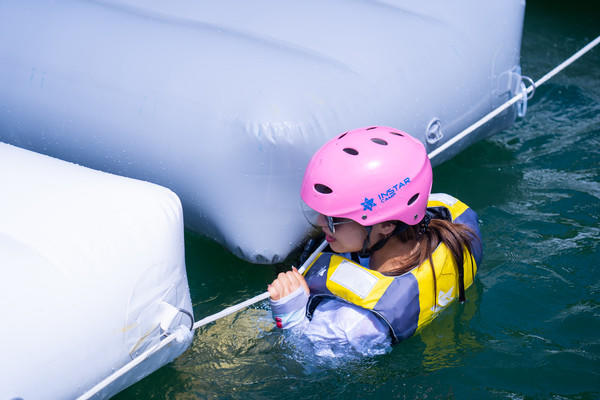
pixel 531 84
pixel 189 314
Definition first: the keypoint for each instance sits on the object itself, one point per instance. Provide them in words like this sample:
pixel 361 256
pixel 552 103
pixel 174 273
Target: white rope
pixel 515 99
pixel 255 299
pixel 126 368
pixel 568 61
pixel 229 310
pixel 235 308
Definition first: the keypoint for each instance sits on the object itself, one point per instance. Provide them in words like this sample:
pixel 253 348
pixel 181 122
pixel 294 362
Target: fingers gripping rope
pixel 256 299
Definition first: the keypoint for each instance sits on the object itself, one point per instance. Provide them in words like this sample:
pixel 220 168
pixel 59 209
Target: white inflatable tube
pixel 92 264
pixel 225 102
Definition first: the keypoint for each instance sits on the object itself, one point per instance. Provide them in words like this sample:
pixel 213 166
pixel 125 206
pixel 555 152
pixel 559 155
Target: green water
pixel 530 328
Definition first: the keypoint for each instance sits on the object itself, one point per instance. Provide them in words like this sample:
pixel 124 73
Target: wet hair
pixel 456 237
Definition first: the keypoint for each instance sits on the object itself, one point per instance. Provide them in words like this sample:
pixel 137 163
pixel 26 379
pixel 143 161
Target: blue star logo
pixel 368 204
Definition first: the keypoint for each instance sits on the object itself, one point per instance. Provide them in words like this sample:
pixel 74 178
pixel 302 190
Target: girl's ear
pixel 386 228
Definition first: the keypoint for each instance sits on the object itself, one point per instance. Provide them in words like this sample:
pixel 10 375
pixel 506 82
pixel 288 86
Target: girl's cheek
pixel 345 244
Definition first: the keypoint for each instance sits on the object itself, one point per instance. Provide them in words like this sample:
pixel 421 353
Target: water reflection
pixel 448 339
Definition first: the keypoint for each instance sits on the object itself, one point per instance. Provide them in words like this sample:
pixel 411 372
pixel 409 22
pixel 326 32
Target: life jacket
pixel 407 302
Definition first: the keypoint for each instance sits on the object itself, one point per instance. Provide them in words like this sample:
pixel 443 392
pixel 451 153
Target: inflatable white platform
pixel 92 265
pixel 224 102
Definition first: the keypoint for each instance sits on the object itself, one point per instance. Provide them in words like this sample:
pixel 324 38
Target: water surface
pixel 530 328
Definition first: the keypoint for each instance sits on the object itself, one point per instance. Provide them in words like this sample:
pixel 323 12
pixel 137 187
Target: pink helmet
pixel 370 175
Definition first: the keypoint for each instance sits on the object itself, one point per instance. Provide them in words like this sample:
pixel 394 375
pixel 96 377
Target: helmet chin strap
pixel 367 252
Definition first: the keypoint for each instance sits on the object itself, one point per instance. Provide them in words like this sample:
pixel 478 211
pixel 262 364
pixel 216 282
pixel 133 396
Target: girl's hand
pixel 286 283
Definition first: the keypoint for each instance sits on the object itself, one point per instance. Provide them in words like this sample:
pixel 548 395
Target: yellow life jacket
pixel 407 302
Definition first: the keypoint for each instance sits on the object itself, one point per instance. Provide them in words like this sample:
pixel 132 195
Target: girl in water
pixel 399 255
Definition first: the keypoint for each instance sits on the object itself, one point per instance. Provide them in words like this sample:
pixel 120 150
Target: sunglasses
pixel 333 221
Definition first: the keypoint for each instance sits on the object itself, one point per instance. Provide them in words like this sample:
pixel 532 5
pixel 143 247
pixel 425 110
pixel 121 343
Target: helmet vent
pixel 373 127
pixel 379 141
pixel 396 133
pixel 413 199
pixel 323 188
pixel 342 135
pixel 351 151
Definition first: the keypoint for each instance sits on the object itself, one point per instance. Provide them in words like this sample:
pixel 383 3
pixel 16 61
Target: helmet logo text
pixel 391 192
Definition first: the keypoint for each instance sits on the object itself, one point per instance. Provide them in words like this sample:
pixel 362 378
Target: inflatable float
pixel 225 102
pixel 93 274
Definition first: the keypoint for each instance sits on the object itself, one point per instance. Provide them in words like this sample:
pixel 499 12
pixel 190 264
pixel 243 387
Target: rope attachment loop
pixel 523 94
pixel 526 92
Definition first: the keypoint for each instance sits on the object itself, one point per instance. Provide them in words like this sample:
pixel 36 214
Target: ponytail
pixel 456 237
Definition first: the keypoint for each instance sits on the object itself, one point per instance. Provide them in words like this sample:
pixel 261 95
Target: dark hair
pixel 456 237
